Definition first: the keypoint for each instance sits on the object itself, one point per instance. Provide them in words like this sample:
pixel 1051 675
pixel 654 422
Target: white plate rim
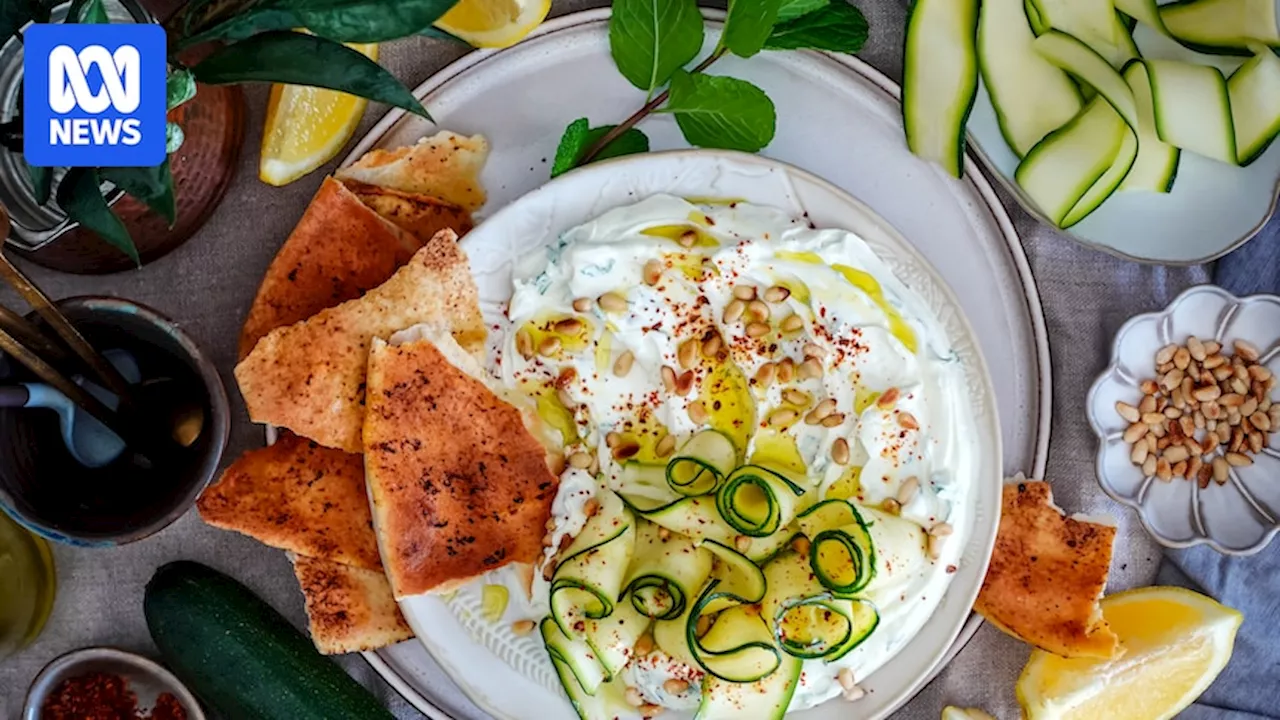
pixel 976 173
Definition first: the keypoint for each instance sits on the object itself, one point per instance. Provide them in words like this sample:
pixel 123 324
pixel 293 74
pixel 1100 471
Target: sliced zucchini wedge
pixel 701 464
pixel 1192 108
pixel 585 675
pixel 1031 96
pixel 1222 26
pixel 1146 12
pixel 1065 165
pixel 1254 90
pixel 766 699
pixel 940 79
pixel 1156 166
pixel 1086 64
pixel 588 580
pixel 1090 20
pixel 666 572
pixel 1106 185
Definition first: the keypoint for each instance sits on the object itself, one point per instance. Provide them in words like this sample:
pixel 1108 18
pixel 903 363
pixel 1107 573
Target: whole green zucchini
pixel 241 656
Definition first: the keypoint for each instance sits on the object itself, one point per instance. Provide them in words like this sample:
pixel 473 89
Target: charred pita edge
pixel 458 484
pixel 349 609
pixel 297 495
pixel 339 250
pixel 309 377
pixel 1047 574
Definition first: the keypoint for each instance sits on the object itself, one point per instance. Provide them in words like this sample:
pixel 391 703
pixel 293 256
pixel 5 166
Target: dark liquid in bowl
pixel 40 478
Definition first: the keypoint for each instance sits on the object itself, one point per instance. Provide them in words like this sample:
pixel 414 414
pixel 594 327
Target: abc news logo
pixel 69 89
pixel 94 95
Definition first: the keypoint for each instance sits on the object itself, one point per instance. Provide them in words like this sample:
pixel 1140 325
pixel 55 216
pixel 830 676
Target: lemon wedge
pixel 494 23
pixel 952 712
pixel 1173 642
pixel 307 126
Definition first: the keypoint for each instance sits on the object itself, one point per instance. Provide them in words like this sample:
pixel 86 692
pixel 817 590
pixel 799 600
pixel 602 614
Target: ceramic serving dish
pixel 146 678
pixel 1213 208
pixel 1239 517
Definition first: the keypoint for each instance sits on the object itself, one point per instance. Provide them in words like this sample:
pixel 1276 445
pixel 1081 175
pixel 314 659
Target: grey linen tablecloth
pixel 208 284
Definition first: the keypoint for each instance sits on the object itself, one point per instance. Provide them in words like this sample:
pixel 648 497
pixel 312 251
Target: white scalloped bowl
pixel 1237 518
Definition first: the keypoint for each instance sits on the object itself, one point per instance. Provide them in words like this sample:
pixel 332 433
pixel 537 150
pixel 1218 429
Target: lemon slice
pixel 307 126
pixel 1174 642
pixel 494 23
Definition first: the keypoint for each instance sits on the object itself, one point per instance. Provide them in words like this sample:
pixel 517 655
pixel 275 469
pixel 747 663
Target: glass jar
pixel 27 586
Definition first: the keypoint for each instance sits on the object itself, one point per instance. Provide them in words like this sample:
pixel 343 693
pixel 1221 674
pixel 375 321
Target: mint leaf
pixel 41 181
pixel 748 25
pixel 722 112
pixel 838 27
pixel 792 9
pixel 81 199
pixel 173 137
pixel 579 137
pixel 651 39
pixel 179 87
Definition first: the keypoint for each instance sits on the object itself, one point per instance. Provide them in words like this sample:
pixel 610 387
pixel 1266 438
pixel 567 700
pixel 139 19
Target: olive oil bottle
pixel 27 586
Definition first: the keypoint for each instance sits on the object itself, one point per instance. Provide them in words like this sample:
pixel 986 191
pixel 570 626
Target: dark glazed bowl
pixel 44 489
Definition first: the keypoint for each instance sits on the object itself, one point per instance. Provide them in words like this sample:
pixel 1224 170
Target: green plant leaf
pixel 365 21
pixel 151 185
pixel 179 87
pixel 80 198
pixel 41 181
pixel 580 136
pixel 792 9
pixel 173 137
pixel 88 12
pixel 262 17
pixel 651 39
pixel 838 27
pixel 714 111
pixel 298 59
pixel 748 25
pixel 431 31
pixel 16 13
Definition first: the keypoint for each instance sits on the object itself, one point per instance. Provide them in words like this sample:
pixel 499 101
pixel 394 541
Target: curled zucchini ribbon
pixel 841 552
pixel 808 620
pixel 589 577
pixel 757 501
pixel 738 646
pixel 700 466
pixel 665 574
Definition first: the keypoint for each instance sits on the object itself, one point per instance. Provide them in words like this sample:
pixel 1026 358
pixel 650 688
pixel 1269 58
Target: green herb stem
pixel 643 112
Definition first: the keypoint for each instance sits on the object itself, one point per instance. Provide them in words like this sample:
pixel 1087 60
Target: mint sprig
pixel 652 42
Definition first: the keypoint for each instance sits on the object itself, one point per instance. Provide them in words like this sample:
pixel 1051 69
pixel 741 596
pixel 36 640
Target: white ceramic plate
pixel 522 682
pixel 1212 209
pixel 1238 518
pixel 522 97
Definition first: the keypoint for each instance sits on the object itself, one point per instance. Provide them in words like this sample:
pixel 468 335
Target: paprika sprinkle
pixel 104 696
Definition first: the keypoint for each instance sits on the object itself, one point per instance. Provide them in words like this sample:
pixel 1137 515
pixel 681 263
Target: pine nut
pixel 781 417
pixel 833 420
pixel 665 446
pixel 764 376
pixel 757 330
pixel 697 412
pixel 626 449
pixel 742 543
pixel 711 345
pixel 846 679
pixel 745 293
pixel 684 383
pixel 941 530
pixel 733 311
pixel 688 238
pixel 1134 432
pixel 1128 412
pixel 1165 354
pixel 908 421
pixel 786 370
pixel 549 346
pixel 810 369
pixel 1148 404
pixel 1181 358
pixel 792 323
pixel 668 378
pixel 776 294
pixel 909 489
pixel 840 451
pixel 580 460
pixel 568 326
pixel 1180 469
pixel 1164 470
pixel 591 507
pixel 652 272
pixel 824 408
pixel 1149 466
pixel 1236 459
pixel 633 697
pixel 675 686
pixel 1246 350
pixel 891 506
pixel 797 397
pixel 813 350
pixel 687 353
pixel 1196 348
pixel 890 396
pixel 644 645
pixel 622 366
pixel 801 545
pixel 1153 418
pixel 1208 393
pixel 612 302
pixel 522 627
pixel 758 310
pixel 582 304
pixel 612 440
pixel 1139 454
pixel 524 343
pixel 1194 466
pixel 1176 454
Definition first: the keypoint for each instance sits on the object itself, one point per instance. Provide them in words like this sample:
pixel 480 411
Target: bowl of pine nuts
pixel 1186 416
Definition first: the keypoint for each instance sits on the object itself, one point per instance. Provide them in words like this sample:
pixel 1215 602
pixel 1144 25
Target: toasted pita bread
pixel 309 377
pixel 420 215
pixel 445 166
pixel 459 486
pixel 338 251
pixel 349 609
pixel 1047 574
pixel 297 496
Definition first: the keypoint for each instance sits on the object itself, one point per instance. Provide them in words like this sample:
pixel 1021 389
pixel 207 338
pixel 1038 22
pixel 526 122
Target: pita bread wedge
pixel 459 486
pixel 338 251
pixel 349 609
pixel 309 377
pixel 297 496
pixel 420 215
pixel 1047 574
pixel 445 166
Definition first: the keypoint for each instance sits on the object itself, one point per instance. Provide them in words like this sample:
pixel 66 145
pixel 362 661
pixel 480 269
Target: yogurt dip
pixel 669 316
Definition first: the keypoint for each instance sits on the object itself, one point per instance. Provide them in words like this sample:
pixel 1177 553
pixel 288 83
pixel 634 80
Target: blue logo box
pixel 94 95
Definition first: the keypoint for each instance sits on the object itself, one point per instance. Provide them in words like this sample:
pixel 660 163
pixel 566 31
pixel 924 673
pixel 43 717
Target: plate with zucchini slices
pixel 1145 130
